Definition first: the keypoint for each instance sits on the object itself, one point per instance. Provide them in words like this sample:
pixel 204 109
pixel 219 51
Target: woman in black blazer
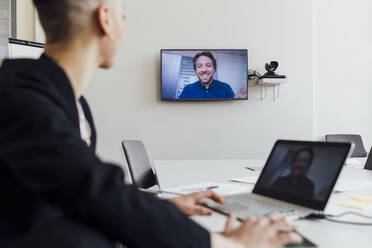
pixel 55 191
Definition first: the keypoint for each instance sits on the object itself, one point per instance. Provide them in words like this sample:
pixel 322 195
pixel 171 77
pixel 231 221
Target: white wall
pixel 324 46
pixel 126 100
pixel 25 20
pixel 39 32
pixel 342 58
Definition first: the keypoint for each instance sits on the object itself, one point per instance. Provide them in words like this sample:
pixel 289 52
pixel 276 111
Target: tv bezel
pixel 197 99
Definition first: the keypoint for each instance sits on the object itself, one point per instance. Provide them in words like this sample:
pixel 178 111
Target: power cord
pixel 254 75
pixel 331 218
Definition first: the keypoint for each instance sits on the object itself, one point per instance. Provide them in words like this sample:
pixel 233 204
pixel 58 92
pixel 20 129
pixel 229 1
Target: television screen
pixel 211 74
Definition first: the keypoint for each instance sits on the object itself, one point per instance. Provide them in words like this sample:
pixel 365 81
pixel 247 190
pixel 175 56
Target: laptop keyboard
pixel 258 207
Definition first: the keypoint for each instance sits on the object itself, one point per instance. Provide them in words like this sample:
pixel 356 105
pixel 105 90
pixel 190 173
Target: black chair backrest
pixel 139 163
pixel 359 150
pixel 368 165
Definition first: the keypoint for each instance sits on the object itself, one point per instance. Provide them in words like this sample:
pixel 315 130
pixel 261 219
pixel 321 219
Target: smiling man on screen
pixel 205 66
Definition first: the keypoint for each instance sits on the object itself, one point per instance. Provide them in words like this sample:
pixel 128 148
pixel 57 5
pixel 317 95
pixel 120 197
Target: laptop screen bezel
pixel 309 203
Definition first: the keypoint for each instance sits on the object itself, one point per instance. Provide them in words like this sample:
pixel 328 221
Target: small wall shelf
pixel 271 82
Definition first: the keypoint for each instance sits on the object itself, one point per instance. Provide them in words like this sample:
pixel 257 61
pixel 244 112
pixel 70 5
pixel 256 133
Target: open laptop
pixel 297 179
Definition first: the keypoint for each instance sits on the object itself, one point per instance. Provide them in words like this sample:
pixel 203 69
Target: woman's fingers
pixel 229 226
pixel 200 210
pixel 212 195
pixel 288 237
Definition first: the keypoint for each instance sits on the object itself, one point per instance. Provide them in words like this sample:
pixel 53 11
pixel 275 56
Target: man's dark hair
pixel 61 19
pixel 207 54
pixel 306 149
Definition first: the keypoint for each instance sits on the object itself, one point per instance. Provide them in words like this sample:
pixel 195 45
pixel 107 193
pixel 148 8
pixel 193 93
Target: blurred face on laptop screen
pixel 301 162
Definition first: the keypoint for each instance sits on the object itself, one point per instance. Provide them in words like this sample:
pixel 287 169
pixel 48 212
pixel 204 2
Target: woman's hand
pixel 193 204
pixel 272 231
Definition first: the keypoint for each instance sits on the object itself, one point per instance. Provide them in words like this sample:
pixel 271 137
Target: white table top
pixel 173 173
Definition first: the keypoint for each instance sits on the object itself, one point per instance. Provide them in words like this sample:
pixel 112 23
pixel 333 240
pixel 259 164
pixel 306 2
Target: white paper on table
pixel 344 185
pixel 355 162
pixel 341 185
pixel 249 179
pixel 221 188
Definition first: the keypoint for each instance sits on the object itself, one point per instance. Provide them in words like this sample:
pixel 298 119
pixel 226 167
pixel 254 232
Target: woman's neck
pixel 78 60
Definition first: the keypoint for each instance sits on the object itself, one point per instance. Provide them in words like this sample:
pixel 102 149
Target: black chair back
pixel 359 150
pixel 368 165
pixel 139 164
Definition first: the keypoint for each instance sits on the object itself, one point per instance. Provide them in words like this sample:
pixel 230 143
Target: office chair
pixel 359 150
pixel 139 164
pixel 368 165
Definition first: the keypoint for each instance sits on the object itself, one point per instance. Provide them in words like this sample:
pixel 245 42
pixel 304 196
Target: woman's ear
pixel 104 19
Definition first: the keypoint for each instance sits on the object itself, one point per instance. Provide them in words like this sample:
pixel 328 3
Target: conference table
pixel 174 173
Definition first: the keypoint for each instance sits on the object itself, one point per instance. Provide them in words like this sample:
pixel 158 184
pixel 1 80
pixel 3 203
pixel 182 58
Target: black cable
pixel 330 218
pixel 350 222
pixel 348 213
pixel 254 75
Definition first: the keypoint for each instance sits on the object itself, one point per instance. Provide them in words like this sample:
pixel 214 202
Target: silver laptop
pixel 297 179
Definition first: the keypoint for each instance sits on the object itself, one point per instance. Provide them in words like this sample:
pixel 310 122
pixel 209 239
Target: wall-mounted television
pixel 204 74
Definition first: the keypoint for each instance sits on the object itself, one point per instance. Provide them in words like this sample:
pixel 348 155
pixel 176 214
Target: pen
pixel 248 168
pixel 201 189
pixel 152 191
pixel 176 193
pixel 212 187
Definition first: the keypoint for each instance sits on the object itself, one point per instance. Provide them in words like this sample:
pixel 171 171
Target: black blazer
pixel 48 172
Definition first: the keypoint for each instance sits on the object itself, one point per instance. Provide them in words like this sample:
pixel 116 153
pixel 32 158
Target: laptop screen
pixel 302 172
